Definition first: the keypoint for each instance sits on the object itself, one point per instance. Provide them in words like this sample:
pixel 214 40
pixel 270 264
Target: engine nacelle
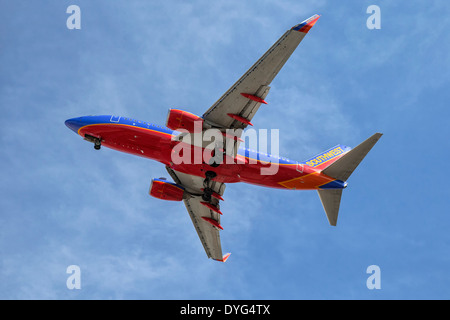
pixel 179 119
pixel 164 190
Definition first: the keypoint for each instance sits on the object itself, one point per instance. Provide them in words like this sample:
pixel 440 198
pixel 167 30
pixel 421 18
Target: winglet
pixel 306 25
pixel 225 258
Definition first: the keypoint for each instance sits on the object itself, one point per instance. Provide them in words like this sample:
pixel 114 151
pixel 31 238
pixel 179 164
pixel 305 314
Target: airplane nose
pixel 75 123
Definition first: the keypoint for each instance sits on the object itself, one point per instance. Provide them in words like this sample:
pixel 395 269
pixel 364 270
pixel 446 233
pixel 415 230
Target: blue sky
pixel 62 203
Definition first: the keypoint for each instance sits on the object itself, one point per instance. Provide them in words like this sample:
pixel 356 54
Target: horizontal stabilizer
pixel 331 199
pixel 342 168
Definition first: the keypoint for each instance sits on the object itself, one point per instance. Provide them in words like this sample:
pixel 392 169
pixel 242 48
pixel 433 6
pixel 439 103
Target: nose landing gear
pixel 96 141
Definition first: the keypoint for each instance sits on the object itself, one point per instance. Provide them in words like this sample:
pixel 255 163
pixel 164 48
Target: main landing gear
pixel 207 190
pixel 217 157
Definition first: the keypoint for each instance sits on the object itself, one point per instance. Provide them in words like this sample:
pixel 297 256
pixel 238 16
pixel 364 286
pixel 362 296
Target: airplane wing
pixel 206 221
pixel 236 108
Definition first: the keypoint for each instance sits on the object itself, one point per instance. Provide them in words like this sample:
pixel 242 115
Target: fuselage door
pixel 300 167
pixel 115 119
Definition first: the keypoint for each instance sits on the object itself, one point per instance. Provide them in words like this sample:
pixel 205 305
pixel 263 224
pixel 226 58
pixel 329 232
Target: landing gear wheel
pixel 213 162
pixel 207 190
pixel 210 175
pixel 207 194
pixel 95 140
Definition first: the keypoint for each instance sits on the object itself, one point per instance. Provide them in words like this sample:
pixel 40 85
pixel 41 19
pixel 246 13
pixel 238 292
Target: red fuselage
pixel 154 142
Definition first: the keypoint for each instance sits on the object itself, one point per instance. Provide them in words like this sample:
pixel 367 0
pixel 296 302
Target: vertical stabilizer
pixel 342 168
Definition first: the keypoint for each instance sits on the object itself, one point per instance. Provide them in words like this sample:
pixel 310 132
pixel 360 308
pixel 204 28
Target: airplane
pixel 201 184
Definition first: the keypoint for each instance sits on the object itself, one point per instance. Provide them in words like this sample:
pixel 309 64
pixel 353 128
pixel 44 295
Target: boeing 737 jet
pixel 200 183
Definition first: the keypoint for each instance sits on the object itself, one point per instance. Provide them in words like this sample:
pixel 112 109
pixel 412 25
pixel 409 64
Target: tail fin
pixel 341 169
pixel 326 158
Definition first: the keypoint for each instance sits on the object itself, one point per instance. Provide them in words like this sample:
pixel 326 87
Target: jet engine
pixel 179 119
pixel 164 190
